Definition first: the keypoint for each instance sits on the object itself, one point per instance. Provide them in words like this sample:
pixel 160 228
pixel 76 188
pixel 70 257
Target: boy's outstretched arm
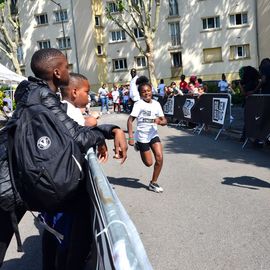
pixel 130 130
pixel 162 121
pixel 120 144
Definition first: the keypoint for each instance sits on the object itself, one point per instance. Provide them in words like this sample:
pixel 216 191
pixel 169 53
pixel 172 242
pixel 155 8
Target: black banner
pixel 210 109
pixel 257 117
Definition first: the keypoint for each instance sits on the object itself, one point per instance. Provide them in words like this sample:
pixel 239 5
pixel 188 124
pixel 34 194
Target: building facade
pixel 263 28
pixel 202 37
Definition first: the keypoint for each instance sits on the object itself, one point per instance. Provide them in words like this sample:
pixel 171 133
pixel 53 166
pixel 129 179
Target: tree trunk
pixel 150 60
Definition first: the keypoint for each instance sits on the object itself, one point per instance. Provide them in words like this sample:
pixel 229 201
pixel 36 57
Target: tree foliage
pixel 142 15
pixel 9 32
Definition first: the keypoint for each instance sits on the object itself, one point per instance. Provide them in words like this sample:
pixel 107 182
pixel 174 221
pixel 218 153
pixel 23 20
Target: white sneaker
pixel 100 113
pixel 108 112
pixel 155 187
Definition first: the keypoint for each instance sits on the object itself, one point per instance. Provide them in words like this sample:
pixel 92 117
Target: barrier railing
pixel 124 242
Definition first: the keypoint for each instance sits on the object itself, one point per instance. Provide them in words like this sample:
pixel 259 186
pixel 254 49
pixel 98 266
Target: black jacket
pixel 36 90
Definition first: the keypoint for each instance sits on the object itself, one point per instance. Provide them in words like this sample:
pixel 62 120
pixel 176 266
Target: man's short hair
pixel 42 62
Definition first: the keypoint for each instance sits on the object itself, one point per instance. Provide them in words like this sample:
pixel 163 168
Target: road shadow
pixel 31 259
pixel 224 148
pixel 127 182
pixel 249 182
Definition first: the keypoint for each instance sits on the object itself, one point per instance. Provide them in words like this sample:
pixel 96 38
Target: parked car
pixel 94 99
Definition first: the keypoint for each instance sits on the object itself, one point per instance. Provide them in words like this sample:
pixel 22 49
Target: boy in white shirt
pixel 149 114
pixel 75 95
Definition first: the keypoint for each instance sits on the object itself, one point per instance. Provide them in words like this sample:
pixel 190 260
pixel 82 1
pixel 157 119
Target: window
pixel 175 33
pixel 239 52
pixel 97 20
pixel 61 15
pixel 212 55
pixel 44 44
pixel 140 62
pixel 138 33
pixel 119 64
pixel 41 19
pixel 118 36
pixel 64 43
pixel 238 19
pixel 173 8
pixel 112 7
pixel 211 23
pixel 99 49
pixel 176 59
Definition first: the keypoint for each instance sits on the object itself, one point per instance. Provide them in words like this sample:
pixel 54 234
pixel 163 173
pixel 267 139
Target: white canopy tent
pixel 10 78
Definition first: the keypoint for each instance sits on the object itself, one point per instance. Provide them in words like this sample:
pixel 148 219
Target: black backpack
pixel 46 161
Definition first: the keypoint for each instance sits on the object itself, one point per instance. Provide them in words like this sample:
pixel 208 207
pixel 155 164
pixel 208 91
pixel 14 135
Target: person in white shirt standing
pixel 133 89
pixel 103 95
pixel 223 85
pixel 116 98
pixel 149 114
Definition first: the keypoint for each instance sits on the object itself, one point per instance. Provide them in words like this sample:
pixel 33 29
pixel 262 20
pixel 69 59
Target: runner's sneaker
pixel 155 187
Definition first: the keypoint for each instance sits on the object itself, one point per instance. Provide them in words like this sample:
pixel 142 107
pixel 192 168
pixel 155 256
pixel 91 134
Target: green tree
pixel 142 15
pixel 9 32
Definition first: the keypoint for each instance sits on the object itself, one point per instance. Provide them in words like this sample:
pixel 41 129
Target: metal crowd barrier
pixel 125 244
pixel 208 109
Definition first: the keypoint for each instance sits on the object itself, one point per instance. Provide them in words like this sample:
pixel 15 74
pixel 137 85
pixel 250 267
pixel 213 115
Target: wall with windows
pixel 206 38
pixel 218 36
pixel 263 17
pixel 42 27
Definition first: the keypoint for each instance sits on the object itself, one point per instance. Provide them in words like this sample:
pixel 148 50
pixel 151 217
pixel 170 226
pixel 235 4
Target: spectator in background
pixel 125 94
pixel 202 87
pixel 223 85
pixel 176 91
pixel 249 84
pixel 133 90
pixel 6 110
pixel 264 70
pixel 103 95
pixel 161 88
pixel 193 90
pixel 183 85
pixel 116 98
pixel 8 100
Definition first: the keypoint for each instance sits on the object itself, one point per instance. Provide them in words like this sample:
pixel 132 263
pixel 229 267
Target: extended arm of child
pixel 130 130
pixel 162 121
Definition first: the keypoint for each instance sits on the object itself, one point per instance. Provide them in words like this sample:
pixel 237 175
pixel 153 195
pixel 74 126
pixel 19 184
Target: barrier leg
pixel 245 143
pixel 218 134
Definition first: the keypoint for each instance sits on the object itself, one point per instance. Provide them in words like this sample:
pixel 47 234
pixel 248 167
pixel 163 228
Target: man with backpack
pixel 34 149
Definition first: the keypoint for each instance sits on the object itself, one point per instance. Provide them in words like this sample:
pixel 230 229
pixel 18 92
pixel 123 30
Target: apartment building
pixel 263 28
pixel 202 37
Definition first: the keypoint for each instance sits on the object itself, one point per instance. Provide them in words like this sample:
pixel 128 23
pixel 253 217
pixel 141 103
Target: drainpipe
pixel 74 35
pixel 257 32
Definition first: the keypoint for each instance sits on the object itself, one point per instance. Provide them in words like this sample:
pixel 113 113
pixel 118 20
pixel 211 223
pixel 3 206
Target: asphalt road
pixel 214 213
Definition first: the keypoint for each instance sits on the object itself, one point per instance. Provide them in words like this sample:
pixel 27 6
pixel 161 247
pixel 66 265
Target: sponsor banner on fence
pixel 211 109
pixel 168 107
pixel 219 107
pixel 188 105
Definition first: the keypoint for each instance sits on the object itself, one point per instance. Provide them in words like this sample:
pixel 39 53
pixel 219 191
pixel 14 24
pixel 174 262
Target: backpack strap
pixel 13 217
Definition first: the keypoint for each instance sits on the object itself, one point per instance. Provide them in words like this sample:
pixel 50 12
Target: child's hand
pixel 157 121
pixel 131 141
pixel 102 153
pixel 120 145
